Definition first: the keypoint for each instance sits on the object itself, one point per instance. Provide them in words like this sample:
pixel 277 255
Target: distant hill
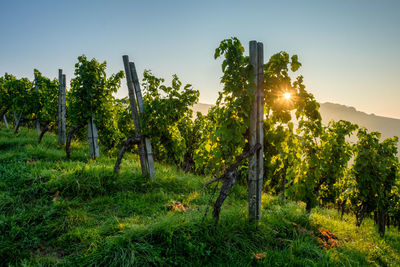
pixel 388 127
pixel 203 108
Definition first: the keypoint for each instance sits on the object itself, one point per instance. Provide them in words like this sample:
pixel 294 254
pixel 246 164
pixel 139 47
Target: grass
pixel 77 212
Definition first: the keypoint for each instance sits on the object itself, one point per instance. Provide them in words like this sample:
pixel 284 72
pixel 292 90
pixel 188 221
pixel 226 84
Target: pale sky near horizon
pixel 349 49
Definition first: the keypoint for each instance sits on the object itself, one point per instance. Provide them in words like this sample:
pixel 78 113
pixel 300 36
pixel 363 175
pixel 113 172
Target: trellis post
pixel 135 114
pixel 147 143
pixel 93 139
pixel 260 124
pixel 5 120
pixel 255 178
pixel 37 115
pixel 61 107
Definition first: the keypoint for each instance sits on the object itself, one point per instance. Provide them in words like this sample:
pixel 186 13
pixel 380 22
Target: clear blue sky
pixel 350 50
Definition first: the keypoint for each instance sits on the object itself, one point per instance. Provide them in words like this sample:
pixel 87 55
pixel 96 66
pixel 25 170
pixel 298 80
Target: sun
pixel 286 96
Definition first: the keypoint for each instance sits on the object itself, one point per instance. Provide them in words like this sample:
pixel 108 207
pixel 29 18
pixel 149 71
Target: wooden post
pixel 256 131
pixel 64 108
pixel 147 143
pixel 253 178
pixel 37 115
pixel 61 108
pixel 93 139
pixel 134 108
pixel 60 88
pixel 260 125
pixel 18 120
pixel 5 121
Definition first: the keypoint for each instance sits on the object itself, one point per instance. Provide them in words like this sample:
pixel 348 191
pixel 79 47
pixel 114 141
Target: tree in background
pixel 325 159
pixel 375 169
pixel 230 117
pixel 283 99
pixel 336 154
pixel 16 95
pixel 91 94
pixel 282 154
pixel 394 209
pixel 46 101
pixel 345 188
pixel 167 118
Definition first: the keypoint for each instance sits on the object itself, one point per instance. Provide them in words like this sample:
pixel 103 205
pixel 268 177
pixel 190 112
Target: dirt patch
pixel 327 239
pixel 177 206
pixel 259 256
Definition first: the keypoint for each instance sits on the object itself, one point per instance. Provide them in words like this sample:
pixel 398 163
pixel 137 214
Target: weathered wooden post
pixel 19 120
pixel 255 179
pixel 260 124
pixel 5 121
pixel 61 108
pixel 252 180
pixel 64 108
pixel 60 88
pixel 147 144
pixel 134 109
pixel 93 139
pixel 37 115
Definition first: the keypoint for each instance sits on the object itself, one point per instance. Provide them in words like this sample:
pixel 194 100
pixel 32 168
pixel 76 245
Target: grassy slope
pixel 77 212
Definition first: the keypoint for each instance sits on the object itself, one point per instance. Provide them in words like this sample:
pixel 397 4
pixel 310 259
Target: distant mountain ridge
pixel 388 127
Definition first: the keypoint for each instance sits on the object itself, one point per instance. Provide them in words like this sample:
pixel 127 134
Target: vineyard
pixel 90 179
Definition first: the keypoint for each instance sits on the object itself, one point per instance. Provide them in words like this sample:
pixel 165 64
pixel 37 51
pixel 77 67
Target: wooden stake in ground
pixel 135 114
pixel 64 109
pixel 260 124
pixel 60 88
pixel 254 214
pixel 256 133
pixel 147 144
pixel 61 108
pixel 5 121
pixel 37 115
pixel 19 120
pixel 93 139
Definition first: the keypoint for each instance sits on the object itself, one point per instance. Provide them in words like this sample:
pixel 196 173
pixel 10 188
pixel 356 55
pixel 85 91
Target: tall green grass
pixel 77 212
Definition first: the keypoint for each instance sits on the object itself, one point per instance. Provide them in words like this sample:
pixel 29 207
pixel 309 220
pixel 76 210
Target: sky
pixel 349 50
